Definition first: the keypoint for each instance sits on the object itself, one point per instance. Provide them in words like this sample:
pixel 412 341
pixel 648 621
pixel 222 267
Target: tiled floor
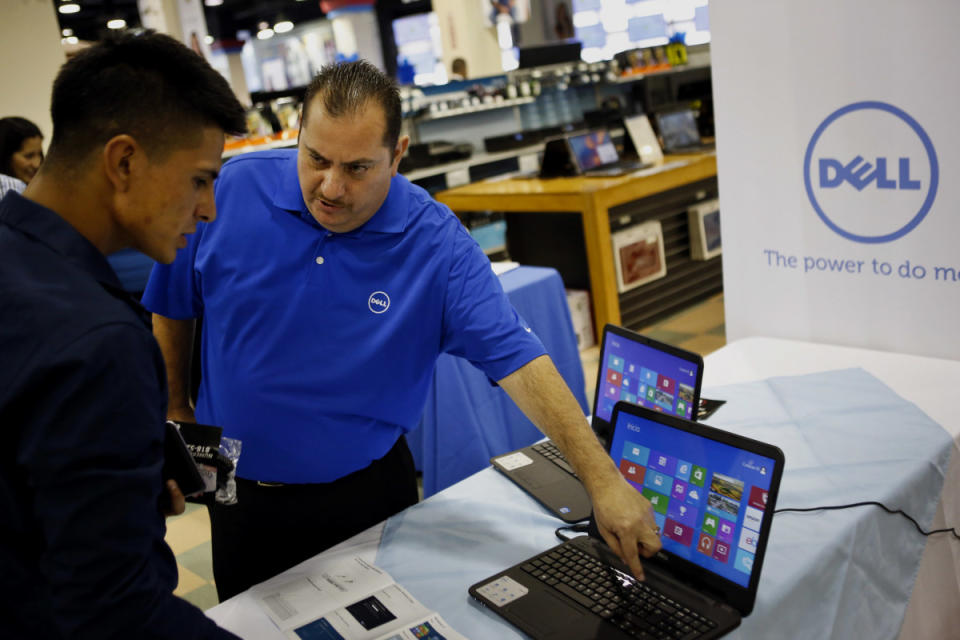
pixel 699 329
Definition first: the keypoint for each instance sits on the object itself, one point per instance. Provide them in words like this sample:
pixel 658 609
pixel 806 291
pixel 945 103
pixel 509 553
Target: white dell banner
pixel 838 148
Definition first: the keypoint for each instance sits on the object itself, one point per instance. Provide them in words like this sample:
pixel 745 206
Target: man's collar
pixel 52 231
pixel 391 217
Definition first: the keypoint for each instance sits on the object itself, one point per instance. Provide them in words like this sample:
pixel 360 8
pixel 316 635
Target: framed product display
pixel 638 255
pixel 704 222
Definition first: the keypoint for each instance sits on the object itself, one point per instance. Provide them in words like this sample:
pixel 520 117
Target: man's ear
pixel 401 149
pixel 121 159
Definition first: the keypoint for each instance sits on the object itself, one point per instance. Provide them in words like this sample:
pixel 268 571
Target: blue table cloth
pixel 467 419
pixel 847 438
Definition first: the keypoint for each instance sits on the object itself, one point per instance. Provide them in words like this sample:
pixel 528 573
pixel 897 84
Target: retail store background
pixel 700 329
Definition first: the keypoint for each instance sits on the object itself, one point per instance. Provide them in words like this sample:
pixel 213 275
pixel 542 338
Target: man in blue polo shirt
pixel 82 390
pixel 328 289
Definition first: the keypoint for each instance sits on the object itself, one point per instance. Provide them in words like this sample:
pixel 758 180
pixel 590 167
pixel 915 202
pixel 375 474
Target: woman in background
pixel 21 152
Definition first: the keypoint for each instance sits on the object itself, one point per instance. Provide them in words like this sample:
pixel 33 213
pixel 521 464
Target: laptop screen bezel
pixel 739 597
pixel 603 427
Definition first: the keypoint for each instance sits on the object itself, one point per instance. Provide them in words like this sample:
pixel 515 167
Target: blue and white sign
pixel 836 154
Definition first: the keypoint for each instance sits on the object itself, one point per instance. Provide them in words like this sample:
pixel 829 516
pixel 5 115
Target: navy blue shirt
pixel 318 348
pixel 82 405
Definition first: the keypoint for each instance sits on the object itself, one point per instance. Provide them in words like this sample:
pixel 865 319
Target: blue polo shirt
pixel 318 348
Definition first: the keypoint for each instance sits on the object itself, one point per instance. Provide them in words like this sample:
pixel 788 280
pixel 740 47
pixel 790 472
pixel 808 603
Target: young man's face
pixel 172 195
pixel 344 167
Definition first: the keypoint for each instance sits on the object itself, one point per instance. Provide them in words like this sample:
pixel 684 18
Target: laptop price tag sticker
pixel 503 590
pixel 514 461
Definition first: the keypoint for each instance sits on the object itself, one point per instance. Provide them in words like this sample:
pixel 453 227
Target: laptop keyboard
pixel 634 607
pixel 552 453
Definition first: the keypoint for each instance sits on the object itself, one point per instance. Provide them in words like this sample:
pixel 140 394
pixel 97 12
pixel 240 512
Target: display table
pixel 468 420
pixel 814 562
pixel 592 198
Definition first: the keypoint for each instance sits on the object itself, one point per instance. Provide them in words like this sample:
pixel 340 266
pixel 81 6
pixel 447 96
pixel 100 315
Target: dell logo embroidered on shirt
pixel 378 302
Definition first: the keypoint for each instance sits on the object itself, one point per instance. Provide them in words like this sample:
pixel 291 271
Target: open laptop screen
pixel 678 129
pixel 645 372
pixel 593 149
pixel 709 497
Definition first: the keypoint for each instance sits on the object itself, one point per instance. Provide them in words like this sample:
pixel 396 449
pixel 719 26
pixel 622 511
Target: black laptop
pixel 679 131
pixel 713 495
pixel 633 368
pixel 586 153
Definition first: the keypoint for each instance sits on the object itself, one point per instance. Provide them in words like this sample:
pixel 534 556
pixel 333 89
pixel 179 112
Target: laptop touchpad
pixel 549 616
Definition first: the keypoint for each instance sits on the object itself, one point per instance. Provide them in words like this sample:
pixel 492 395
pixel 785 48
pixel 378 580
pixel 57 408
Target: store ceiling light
pixel 264 34
pixel 68 7
pixel 283 26
pixel 208 39
pixel 67 32
pixel 117 23
pixel 213 3
pixel 70 40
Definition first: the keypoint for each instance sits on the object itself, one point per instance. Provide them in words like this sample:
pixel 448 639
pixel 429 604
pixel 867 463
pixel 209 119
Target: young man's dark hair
pixel 344 89
pixel 13 131
pixel 146 85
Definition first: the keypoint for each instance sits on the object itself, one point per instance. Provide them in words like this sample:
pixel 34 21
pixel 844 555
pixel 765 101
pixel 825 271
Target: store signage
pixel 898 175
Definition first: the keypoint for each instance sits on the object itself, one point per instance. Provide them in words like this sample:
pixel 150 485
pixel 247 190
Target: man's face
pixel 171 194
pixel 344 167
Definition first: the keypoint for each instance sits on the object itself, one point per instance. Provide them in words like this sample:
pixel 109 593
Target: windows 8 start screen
pixel 709 498
pixel 642 375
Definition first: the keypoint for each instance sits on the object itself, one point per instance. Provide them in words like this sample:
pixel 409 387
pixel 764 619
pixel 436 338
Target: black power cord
pixel 574 528
pixel 950 530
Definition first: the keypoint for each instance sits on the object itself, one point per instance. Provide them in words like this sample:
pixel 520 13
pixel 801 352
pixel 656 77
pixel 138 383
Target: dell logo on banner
pixel 871 172
pixel 378 302
pixel 857 172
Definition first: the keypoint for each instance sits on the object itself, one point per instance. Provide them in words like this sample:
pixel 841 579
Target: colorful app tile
pixel 710 523
pixel 628 397
pixel 615 362
pixel 659 501
pixel 659 482
pixel 662 462
pixel 651 393
pixel 748 540
pixel 678 532
pixel 698 476
pixel 705 545
pixel 683 513
pixel 635 452
pixel 661 521
pixel 685 392
pixel 629 384
pixel 667 384
pixel 722 506
pixel 758 497
pixel 683 470
pixel 725 531
pixel 679 490
pixel 681 408
pixel 611 391
pixel 632 471
pixel 727 486
pixel 694 496
pixel 752 518
pixel 631 369
pixel 606 406
pixel 614 377
pixel 721 551
pixel 663 399
pixel 648 377
pixel 744 561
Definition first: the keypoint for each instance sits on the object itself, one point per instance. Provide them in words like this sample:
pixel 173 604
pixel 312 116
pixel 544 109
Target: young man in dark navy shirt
pixel 138 131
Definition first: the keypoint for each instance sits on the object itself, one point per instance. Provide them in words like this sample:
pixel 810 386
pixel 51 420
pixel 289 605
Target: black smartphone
pixel 178 463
